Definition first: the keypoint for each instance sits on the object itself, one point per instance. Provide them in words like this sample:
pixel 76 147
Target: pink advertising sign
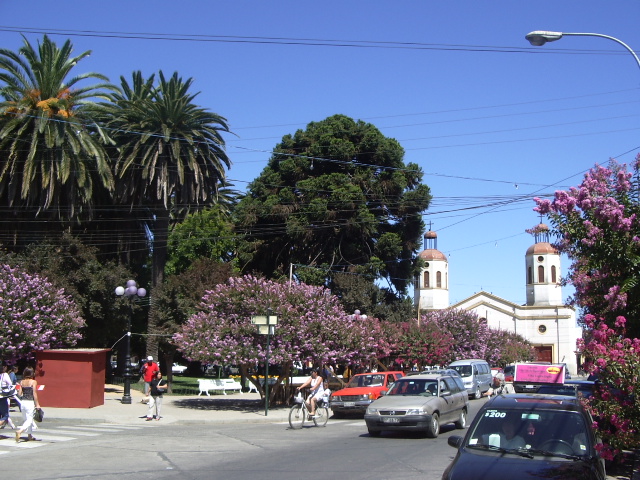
pixel 538 373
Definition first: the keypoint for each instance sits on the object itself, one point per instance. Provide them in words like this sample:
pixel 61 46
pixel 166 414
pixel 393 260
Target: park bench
pixel 206 385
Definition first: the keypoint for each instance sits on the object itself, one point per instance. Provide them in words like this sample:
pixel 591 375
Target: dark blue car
pixel 528 436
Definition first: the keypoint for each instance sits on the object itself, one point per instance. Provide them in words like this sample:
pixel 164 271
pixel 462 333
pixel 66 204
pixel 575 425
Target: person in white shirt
pixel 316 384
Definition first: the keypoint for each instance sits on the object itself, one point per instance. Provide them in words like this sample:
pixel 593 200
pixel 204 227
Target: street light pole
pixel 131 292
pixel 266 326
pixel 540 37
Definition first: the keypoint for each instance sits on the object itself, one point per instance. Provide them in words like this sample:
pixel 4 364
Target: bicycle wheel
pixel 322 415
pixel 297 416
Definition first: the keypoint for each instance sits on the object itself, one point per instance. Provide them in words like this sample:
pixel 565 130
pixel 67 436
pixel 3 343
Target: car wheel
pixel 374 433
pixel 462 420
pixel 433 429
pixel 477 394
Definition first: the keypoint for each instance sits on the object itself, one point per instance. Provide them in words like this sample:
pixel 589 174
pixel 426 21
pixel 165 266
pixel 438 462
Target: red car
pixel 361 390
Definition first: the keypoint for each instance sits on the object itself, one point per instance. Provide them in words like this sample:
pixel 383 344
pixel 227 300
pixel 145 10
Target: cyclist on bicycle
pixel 316 384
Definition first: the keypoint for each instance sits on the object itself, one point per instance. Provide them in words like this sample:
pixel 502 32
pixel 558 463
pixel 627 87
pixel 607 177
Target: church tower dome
pixel 542 263
pixel 431 287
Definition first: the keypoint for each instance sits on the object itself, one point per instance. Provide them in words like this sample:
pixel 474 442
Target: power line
pixel 293 41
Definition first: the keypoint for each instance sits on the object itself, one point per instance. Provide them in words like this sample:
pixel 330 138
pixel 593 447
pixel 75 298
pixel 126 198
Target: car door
pixel 456 399
pixel 448 398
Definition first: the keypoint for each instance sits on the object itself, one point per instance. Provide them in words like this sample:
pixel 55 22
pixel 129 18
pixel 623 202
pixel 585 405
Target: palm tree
pixel 171 158
pixel 51 153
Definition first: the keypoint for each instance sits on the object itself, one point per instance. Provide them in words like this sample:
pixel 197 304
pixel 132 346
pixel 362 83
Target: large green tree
pixel 170 159
pixel 205 234
pixel 52 158
pixel 336 197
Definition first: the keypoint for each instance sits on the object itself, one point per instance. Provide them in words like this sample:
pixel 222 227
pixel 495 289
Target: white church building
pixel 548 324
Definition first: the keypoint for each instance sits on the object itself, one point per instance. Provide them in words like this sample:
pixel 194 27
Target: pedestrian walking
pixel 149 370
pixel 158 386
pixel 29 388
pixel 8 391
pixel 13 374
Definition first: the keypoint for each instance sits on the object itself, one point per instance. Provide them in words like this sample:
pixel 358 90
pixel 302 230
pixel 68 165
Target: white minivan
pixel 476 375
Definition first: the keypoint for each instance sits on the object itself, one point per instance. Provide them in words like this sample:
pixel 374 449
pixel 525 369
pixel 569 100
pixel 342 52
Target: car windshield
pixel 546 432
pixel 408 386
pixel 372 380
pixel 463 370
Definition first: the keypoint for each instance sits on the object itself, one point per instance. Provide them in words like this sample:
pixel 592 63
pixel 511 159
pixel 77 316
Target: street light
pixel 266 326
pixel 356 315
pixel 540 37
pixel 131 291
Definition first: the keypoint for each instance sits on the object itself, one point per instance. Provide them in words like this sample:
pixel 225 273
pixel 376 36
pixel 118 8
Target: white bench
pixel 207 385
pixel 231 385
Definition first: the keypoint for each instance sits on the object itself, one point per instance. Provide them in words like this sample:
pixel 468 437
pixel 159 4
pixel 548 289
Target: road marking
pixel 73 431
pixel 80 428
pixel 61 433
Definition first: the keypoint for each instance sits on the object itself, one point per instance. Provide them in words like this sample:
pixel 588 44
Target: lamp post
pixel 356 315
pixel 540 37
pixel 131 291
pixel 266 326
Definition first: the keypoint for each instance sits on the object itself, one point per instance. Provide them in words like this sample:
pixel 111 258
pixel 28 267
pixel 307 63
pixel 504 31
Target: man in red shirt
pixel 149 370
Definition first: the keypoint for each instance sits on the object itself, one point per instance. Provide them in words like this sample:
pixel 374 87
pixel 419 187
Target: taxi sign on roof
pixel 538 373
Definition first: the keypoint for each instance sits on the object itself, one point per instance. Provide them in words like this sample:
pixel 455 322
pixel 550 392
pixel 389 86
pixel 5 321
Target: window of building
pixel 438 279
pixel 529 275
pixel 553 274
pixel 426 279
pixel 542 329
pixel 540 274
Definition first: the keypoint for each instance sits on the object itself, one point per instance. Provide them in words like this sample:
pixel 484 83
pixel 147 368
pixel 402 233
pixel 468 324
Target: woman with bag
pixel 158 386
pixel 8 391
pixel 30 402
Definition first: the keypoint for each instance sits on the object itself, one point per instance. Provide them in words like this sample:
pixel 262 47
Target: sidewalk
pixel 191 409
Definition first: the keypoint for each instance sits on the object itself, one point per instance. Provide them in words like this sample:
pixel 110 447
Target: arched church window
pixel 540 274
pixel 426 279
pixel 553 274
pixel 529 275
pixel 438 279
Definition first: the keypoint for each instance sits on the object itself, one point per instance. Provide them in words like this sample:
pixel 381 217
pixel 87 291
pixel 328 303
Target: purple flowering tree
pixel 34 315
pixel 615 359
pixel 597 226
pixel 470 334
pixel 423 344
pixel 312 325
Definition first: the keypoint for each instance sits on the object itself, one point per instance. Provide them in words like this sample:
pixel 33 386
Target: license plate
pixel 349 404
pixel 390 420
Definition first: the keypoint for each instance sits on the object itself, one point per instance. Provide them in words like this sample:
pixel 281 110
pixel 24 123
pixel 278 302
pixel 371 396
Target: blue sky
pixel 489 118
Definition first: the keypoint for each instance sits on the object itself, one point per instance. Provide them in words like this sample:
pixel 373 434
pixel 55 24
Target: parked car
pixel 361 390
pixel 178 369
pixel 420 403
pixel 508 371
pixel 476 375
pixel 527 436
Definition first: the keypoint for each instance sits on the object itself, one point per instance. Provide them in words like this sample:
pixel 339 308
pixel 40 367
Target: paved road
pixel 153 450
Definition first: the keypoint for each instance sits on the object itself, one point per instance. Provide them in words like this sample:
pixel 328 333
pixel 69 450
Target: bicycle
pixel 299 413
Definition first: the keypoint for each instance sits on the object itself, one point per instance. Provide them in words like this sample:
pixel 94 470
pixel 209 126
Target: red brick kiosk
pixel 71 378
